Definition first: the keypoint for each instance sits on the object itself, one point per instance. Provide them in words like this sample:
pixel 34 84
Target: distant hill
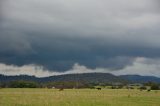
pixel 4 78
pixel 86 77
pixel 140 79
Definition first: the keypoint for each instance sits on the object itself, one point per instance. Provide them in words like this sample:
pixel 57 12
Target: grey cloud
pixel 59 33
pixel 13 41
pixel 108 19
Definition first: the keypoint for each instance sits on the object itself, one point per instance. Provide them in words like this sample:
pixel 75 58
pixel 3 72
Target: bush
pixel 23 84
pixel 143 88
pixel 113 87
pixel 155 87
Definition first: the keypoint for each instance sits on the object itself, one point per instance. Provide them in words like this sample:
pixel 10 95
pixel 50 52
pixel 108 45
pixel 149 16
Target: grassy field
pixel 81 97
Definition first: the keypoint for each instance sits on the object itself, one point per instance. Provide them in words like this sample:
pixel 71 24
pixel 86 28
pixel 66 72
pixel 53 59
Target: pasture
pixel 78 97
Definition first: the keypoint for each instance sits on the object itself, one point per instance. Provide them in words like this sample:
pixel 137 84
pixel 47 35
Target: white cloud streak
pixel 141 66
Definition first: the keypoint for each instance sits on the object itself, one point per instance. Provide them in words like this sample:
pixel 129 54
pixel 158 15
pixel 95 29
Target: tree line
pixel 72 84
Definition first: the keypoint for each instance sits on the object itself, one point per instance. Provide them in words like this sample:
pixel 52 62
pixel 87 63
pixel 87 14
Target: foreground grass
pixel 81 97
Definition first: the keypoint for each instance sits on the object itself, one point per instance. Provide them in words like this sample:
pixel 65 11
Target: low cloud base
pixel 141 66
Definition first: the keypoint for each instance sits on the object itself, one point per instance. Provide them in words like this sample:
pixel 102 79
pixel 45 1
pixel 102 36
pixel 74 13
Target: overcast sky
pixel 48 37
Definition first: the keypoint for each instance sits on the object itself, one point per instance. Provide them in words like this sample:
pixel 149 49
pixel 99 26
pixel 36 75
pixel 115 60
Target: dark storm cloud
pixel 59 33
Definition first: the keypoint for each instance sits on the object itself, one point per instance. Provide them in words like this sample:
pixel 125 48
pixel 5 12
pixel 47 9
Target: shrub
pixel 155 87
pixel 143 88
pixel 23 84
